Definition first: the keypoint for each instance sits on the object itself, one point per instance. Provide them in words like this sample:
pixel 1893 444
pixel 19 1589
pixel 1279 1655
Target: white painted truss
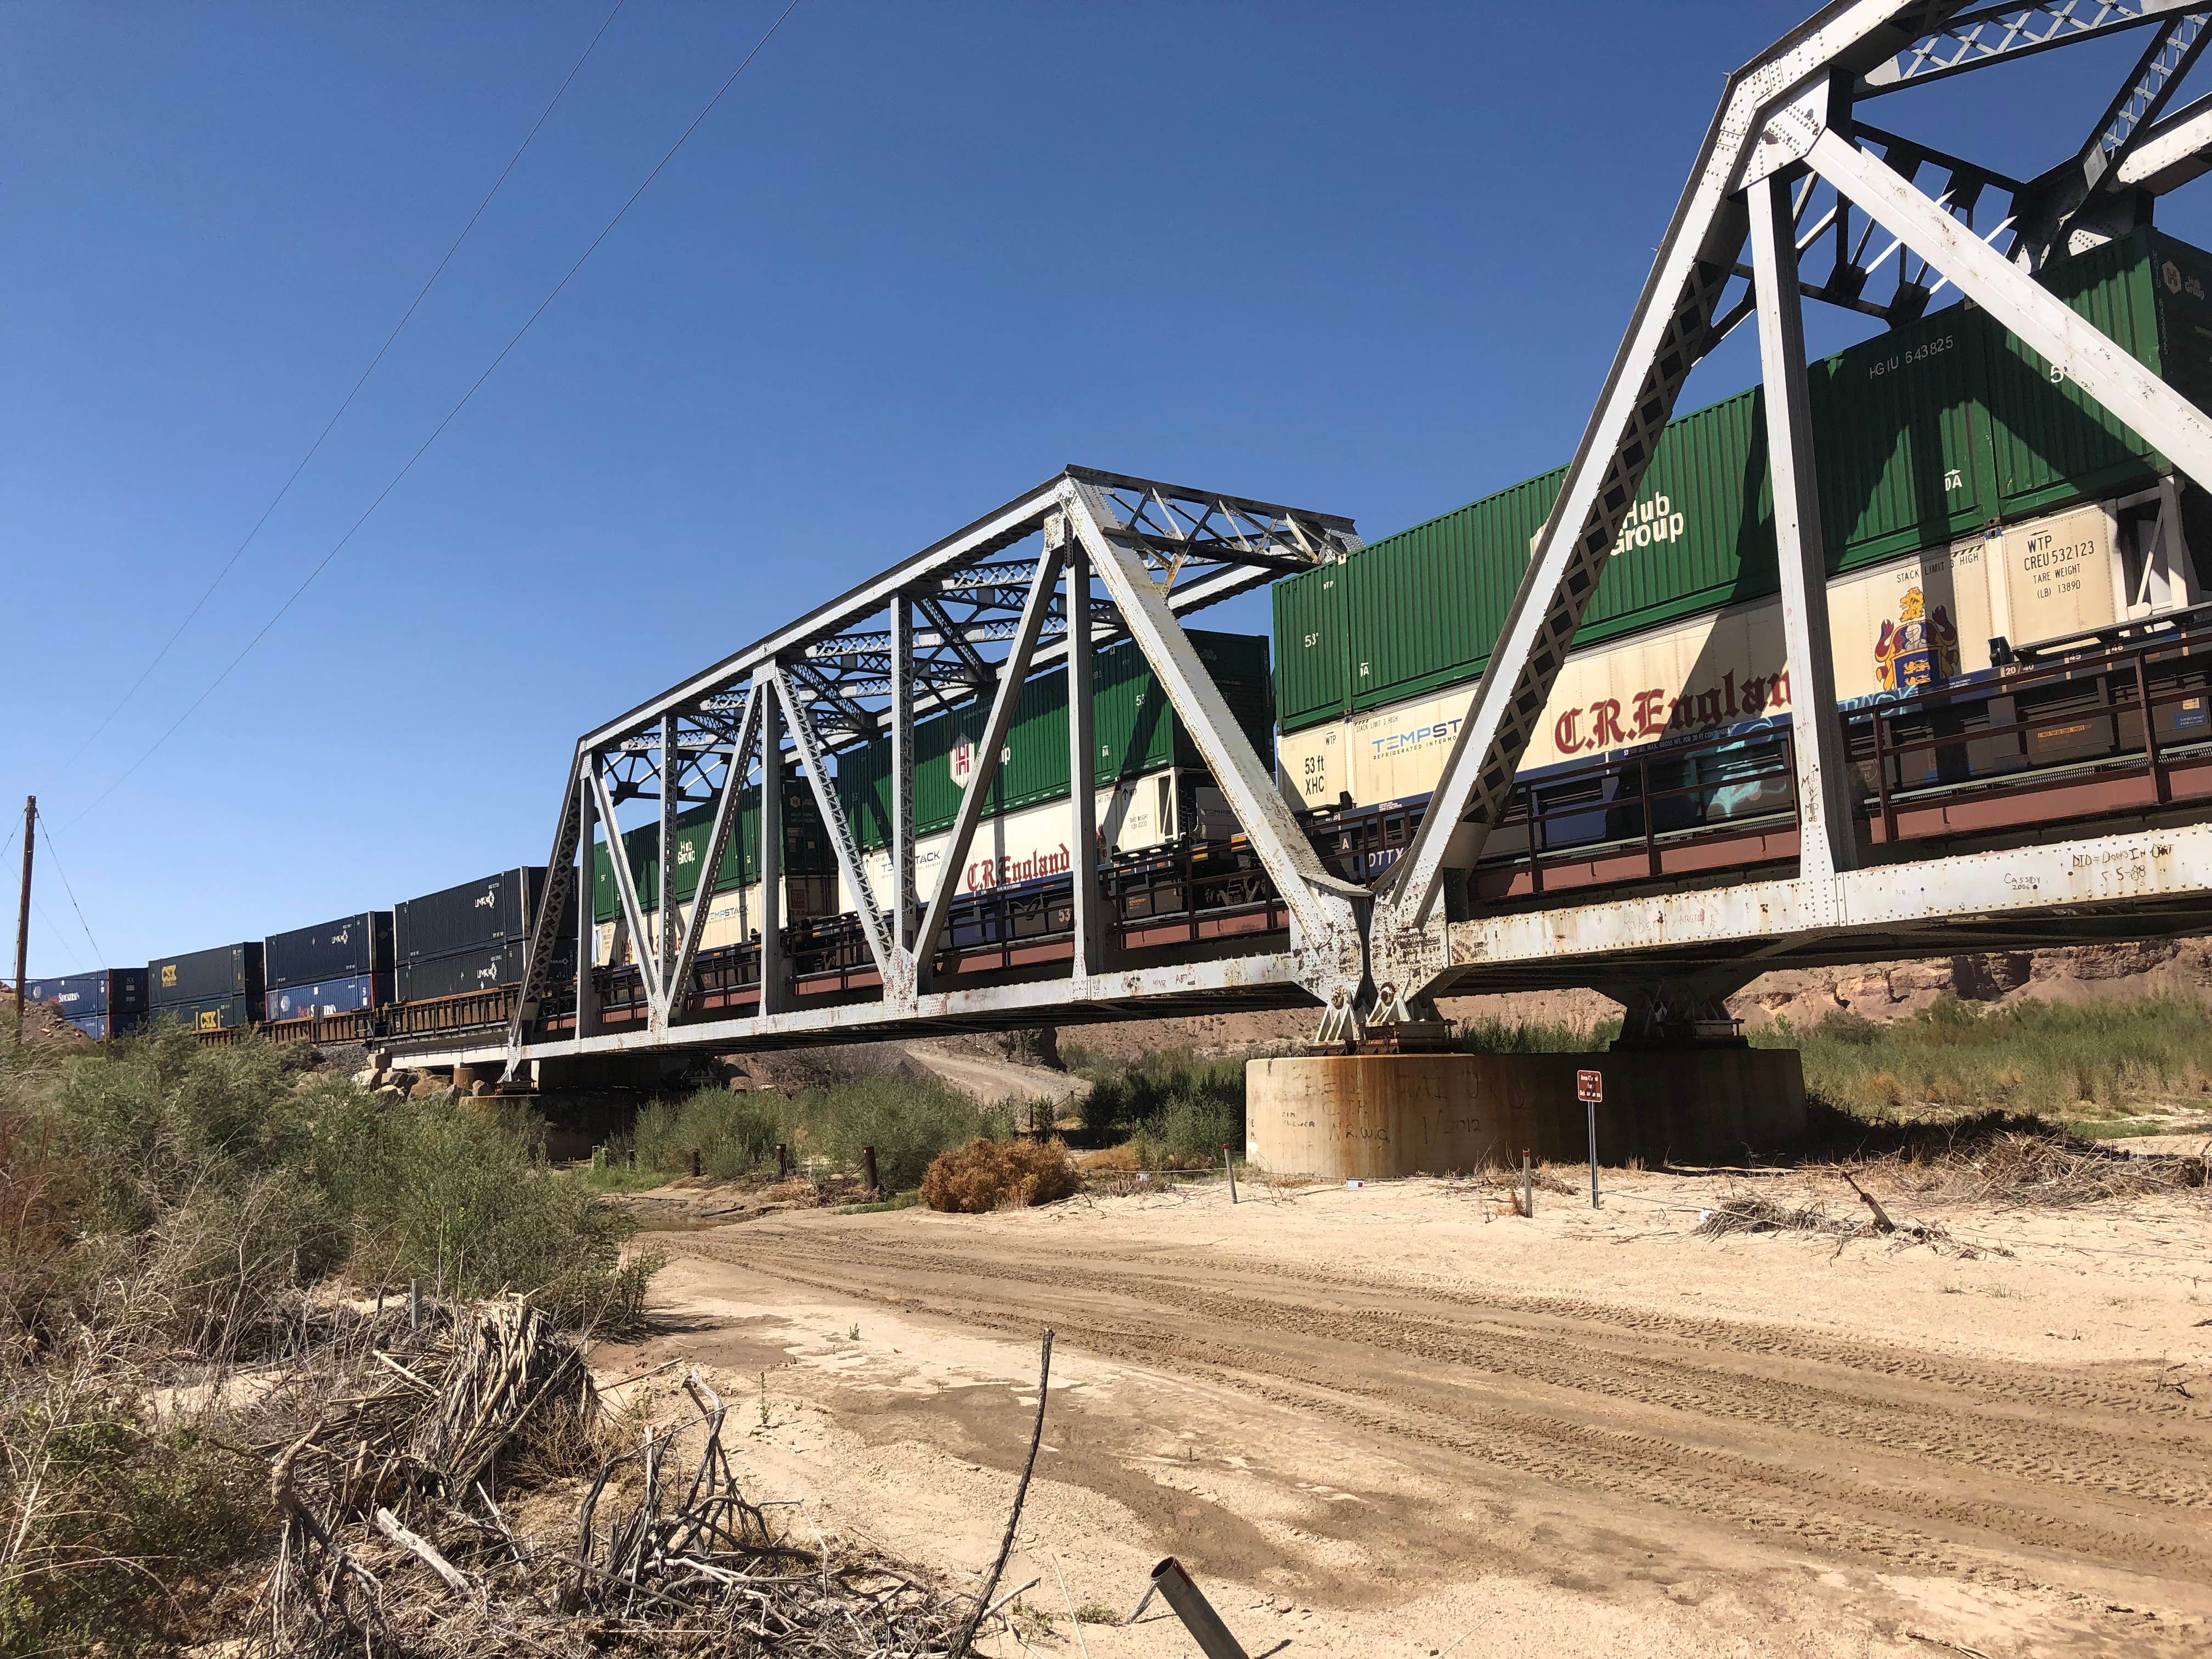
pixel 1835 209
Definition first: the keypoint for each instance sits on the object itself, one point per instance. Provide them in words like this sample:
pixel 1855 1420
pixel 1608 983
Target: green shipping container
pixel 1902 432
pixel 807 851
pixel 1136 727
pixel 2058 445
pixel 1313 646
pixel 1923 434
pixel 1424 612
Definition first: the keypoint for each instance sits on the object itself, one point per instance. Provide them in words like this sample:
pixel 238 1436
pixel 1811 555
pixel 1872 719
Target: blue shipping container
pixel 331 996
pixel 115 990
pixel 343 949
pixel 99 1027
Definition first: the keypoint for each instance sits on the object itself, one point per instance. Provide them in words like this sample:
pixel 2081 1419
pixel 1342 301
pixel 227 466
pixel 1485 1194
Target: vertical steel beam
pixel 1325 929
pixel 672 796
pixel 1011 673
pixel 890 962
pixel 587 919
pixel 773 998
pixel 1826 842
pixel 544 928
pixel 905 907
pixel 648 966
pixel 1090 955
pixel 718 842
pixel 2073 346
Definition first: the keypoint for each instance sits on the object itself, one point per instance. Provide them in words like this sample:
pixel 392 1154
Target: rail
pixel 2120 708
pixel 1188 895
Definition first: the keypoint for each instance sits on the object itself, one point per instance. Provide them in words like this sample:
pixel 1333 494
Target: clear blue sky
pixel 1368 259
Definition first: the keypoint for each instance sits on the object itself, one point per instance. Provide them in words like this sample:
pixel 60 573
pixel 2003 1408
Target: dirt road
pixel 1592 1433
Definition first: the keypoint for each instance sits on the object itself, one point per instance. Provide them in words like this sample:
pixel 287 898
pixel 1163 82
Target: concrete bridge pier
pixel 1344 1117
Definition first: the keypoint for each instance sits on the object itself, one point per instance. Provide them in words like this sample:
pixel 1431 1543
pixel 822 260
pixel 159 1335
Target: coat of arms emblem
pixel 1917 649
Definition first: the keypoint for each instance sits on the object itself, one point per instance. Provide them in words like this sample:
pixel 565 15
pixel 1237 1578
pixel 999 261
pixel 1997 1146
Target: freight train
pixel 2018 612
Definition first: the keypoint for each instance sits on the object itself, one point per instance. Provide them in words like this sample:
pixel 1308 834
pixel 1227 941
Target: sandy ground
pixel 998 1082
pixel 1383 1422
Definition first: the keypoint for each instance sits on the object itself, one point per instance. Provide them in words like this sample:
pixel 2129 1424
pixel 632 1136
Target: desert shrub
pixel 125 1529
pixel 1193 1128
pixel 1177 1110
pixel 465 1200
pixel 150 1121
pixel 734 1134
pixel 1140 1091
pixel 42 1204
pixel 909 1122
pixel 1845 1029
pixel 164 1206
pixel 227 1181
pixel 989 1175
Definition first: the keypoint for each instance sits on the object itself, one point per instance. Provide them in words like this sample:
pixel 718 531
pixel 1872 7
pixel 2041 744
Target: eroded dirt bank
pixel 1375 1423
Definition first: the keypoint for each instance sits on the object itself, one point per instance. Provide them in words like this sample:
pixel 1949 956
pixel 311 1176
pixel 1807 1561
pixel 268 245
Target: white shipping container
pixel 1313 766
pixel 732 918
pixel 1032 843
pixel 1923 619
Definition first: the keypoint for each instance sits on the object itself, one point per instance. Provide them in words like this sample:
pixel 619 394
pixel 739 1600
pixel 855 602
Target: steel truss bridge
pixel 1800 192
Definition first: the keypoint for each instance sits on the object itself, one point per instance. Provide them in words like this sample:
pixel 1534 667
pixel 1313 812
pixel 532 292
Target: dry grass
pixel 408 1527
pixel 1108 1160
pixel 1747 1212
pixel 2015 1164
pixel 998 1174
pixel 2089 1060
pixel 1750 1213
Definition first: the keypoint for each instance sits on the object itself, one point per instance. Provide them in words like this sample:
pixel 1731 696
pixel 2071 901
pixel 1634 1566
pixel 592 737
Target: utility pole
pixel 23 912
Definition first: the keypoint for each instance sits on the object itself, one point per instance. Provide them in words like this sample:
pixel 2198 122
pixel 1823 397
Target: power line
pixel 337 547
pixel 414 305
pixel 98 955
pixel 61 939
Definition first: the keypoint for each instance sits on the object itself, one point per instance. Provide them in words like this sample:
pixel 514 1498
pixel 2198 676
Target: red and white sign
pixel 1589 1087
pixel 962 761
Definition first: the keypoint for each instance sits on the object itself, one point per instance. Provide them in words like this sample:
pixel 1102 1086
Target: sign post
pixel 1589 1089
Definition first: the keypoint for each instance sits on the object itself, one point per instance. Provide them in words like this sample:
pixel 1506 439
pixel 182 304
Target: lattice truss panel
pixel 1086 559
pixel 1810 186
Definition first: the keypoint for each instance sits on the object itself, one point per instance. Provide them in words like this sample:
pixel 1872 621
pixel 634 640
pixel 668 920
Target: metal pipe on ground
pixel 1174 1586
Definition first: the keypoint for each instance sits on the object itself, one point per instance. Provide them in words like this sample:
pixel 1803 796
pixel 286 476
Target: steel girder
pixel 1786 121
pixel 1976 39
pixel 2117 886
pixel 971 617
